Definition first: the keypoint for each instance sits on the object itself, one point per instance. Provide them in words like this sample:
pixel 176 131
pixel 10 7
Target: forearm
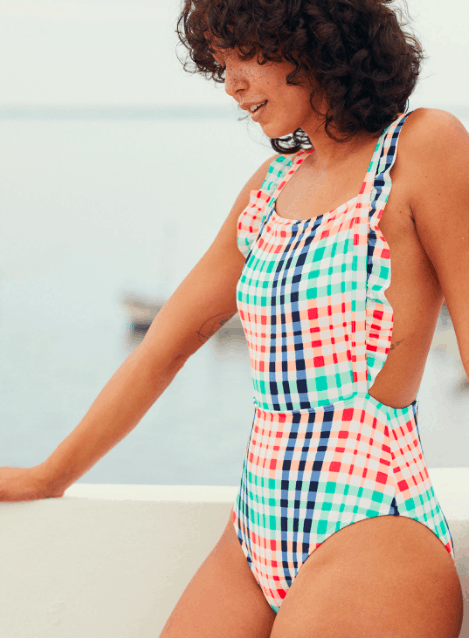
pixel 119 407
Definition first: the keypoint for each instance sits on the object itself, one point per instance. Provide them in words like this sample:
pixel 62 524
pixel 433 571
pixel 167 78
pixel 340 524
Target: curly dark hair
pixel 356 52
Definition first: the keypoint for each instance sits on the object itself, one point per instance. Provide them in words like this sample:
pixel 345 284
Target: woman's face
pixel 287 107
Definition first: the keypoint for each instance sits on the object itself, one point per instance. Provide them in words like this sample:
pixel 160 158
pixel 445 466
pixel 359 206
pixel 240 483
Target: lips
pixel 248 104
pixel 258 113
pixel 259 107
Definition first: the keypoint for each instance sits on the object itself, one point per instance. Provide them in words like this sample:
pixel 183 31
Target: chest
pixel 312 194
pixel 318 240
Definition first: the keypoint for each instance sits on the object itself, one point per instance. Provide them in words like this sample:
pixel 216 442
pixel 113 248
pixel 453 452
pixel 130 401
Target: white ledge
pixel 174 493
pixel 111 561
pixel 451 486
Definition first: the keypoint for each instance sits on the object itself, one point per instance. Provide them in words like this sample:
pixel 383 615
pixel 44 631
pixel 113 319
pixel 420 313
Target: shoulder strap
pixel 276 171
pixel 376 196
pixel 252 219
pixel 284 166
pixel 382 181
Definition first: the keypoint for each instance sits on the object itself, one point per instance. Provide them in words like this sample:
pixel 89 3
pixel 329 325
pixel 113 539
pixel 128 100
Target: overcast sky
pixel 124 53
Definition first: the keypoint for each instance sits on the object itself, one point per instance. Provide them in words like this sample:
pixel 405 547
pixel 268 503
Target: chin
pixel 277 132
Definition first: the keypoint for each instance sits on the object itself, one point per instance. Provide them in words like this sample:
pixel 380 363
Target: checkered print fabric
pixel 322 453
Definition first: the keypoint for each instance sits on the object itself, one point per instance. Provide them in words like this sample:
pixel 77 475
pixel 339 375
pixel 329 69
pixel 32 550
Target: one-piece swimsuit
pixel 322 453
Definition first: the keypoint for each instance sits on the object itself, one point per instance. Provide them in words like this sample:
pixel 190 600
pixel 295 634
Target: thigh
pixel 222 599
pixel 387 577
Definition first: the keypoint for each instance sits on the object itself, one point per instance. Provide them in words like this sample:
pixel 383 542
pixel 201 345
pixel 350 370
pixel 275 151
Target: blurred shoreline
pixel 113 111
pixel 153 111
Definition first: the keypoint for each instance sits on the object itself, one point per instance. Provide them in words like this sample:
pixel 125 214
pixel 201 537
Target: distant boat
pixel 143 310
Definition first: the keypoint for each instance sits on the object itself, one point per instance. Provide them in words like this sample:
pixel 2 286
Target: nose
pixel 234 83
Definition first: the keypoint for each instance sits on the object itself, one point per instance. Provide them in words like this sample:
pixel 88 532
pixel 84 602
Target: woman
pixel 316 253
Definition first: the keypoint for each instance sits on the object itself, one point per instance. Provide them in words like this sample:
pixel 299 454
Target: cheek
pixel 299 93
pixel 298 100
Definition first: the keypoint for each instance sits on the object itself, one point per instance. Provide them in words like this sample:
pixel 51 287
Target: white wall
pixel 111 561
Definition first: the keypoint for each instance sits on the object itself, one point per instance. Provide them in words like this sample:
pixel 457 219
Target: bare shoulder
pixel 434 147
pixel 426 127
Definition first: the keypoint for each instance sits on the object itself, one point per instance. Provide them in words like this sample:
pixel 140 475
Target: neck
pixel 330 153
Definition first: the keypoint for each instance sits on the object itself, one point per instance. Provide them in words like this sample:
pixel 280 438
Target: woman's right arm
pixel 201 304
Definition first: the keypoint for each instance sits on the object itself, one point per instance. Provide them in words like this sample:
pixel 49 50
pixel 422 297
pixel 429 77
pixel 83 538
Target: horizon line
pixel 126 111
pixel 146 111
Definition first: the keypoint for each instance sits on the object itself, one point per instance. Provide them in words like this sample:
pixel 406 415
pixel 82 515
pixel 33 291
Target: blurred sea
pixel 103 204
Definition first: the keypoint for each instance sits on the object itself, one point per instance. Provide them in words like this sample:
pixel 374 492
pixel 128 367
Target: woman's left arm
pixel 439 187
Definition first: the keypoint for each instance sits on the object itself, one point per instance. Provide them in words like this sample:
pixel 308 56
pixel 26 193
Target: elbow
pixel 179 361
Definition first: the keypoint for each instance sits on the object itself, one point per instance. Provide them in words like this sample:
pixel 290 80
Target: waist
pixel 356 401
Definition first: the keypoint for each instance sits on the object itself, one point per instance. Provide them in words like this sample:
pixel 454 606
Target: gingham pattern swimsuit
pixel 322 453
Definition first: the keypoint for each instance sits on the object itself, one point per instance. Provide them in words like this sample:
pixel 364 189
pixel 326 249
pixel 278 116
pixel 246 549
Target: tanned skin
pixel 384 577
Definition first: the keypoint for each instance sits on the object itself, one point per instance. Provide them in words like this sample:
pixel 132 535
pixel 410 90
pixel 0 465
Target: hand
pixel 26 484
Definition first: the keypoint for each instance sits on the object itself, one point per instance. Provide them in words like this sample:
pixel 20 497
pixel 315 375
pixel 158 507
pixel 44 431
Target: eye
pixel 216 59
